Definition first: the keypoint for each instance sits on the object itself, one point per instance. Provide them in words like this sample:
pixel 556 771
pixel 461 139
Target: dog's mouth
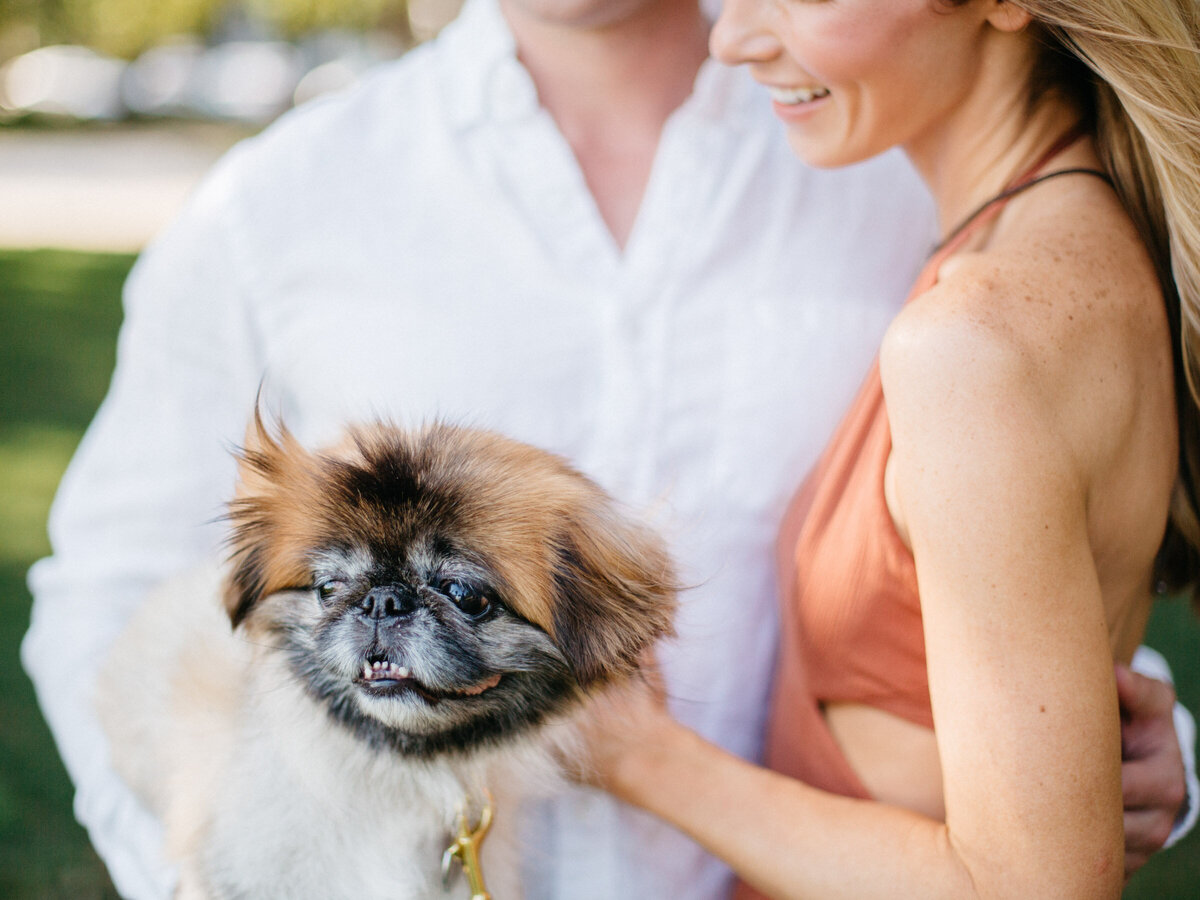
pixel 382 678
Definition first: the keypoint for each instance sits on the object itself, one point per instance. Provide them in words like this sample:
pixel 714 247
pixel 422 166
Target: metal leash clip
pixel 466 848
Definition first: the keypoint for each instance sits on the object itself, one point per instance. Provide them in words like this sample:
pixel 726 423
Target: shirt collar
pixel 480 72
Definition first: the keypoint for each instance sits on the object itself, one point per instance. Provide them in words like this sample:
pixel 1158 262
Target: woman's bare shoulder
pixel 1061 316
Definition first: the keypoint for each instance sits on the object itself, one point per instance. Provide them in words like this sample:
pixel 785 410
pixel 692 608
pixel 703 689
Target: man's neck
pixel 610 87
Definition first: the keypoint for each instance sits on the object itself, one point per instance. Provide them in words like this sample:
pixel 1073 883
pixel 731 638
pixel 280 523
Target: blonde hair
pixel 1134 67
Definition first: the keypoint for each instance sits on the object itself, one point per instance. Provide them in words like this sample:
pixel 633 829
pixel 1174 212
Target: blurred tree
pixel 20 22
pixel 297 17
pixel 127 27
pixel 19 10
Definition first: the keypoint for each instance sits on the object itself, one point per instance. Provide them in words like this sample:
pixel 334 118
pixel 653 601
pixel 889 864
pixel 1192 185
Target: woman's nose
pixel 742 33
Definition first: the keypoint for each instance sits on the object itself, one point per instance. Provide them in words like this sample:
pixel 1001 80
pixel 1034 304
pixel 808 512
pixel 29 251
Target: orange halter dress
pixel 851 613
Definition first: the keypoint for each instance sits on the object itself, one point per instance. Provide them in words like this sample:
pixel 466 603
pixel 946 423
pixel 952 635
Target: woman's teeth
pixel 792 96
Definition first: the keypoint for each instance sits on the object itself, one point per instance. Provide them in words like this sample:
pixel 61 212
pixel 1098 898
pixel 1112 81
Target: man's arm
pixel 139 502
pixel 1158 760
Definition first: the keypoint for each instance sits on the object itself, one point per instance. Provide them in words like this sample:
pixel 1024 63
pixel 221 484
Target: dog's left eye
pixel 474 603
pixel 326 589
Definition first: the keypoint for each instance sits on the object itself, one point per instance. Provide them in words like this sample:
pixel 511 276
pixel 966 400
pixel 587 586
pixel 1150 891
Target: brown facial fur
pixel 601 586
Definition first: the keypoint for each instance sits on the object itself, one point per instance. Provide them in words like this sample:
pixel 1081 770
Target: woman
pixel 987 530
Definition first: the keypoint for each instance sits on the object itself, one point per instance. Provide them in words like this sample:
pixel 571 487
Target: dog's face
pixel 441 589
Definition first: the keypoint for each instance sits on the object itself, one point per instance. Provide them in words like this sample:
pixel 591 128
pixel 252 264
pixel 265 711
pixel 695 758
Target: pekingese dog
pixel 417 616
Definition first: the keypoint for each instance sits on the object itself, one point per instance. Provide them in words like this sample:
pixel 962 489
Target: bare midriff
pixel 896 760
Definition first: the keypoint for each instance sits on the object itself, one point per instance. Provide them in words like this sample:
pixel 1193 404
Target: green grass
pixel 60 313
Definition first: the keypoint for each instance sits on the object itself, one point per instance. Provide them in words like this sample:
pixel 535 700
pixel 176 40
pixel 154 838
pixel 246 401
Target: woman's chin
pixel 826 154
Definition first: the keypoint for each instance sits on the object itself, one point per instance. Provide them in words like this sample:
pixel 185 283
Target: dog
pixel 417 617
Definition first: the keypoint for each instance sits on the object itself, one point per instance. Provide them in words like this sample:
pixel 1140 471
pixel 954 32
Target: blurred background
pixel 110 111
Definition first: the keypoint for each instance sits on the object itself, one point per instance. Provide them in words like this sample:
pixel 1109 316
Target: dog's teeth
pixel 374 671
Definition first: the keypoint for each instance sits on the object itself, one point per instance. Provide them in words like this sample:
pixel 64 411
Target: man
pixel 560 221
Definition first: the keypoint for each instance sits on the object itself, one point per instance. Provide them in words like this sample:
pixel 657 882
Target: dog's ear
pixel 263 557
pixel 616 595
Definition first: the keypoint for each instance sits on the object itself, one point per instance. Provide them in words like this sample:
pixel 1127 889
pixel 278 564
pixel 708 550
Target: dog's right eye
pixel 474 603
pixel 326 589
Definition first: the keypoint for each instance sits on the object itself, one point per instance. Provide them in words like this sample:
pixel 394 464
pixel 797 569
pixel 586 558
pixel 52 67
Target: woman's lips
pixel 794 96
pixel 796 102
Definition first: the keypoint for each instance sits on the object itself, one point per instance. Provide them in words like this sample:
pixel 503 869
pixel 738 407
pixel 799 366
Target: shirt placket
pixel 680 345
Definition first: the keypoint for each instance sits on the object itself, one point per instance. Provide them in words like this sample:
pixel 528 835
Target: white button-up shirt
pixel 425 245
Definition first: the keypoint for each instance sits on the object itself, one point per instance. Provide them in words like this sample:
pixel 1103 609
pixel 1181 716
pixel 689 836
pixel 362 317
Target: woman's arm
pixel 1020 672
pixel 990 476
pixel 781 836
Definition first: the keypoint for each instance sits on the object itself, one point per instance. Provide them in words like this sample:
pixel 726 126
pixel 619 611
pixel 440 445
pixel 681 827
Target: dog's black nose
pixel 387 602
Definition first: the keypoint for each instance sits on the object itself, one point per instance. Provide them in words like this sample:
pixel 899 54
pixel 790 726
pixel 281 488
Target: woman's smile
pixel 790 103
pixel 879 72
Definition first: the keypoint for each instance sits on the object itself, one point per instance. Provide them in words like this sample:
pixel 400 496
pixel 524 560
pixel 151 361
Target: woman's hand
pixel 620 728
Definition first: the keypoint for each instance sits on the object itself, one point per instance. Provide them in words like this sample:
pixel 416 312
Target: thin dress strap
pixel 992 207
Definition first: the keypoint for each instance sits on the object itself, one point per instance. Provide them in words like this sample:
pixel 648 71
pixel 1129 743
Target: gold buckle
pixel 465 849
